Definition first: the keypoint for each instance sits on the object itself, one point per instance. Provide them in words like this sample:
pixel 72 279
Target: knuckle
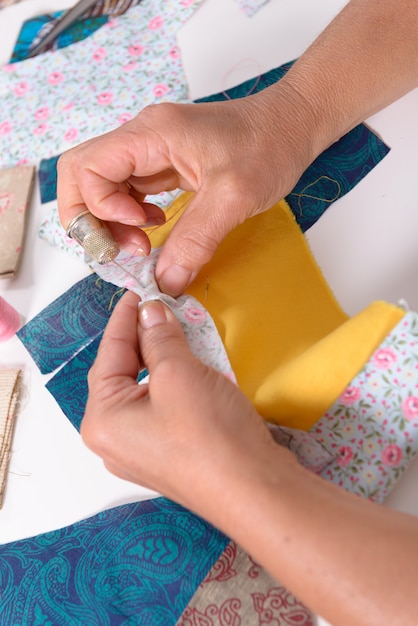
pixel 199 246
pixel 157 112
pixel 240 192
pixel 96 434
pixel 162 344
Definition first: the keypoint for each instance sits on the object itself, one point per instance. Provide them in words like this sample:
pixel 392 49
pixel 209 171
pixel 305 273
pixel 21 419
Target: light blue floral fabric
pixel 372 429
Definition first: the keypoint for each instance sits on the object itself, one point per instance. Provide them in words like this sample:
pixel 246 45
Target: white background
pixel 365 244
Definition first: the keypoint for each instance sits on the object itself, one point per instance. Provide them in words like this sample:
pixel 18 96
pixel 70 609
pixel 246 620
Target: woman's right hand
pixel 239 157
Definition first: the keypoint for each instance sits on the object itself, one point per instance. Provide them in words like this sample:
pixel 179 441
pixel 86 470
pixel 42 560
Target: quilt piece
pixel 10 381
pixel 69 385
pixel 238 591
pixel 56 100
pixel 16 185
pixel 69 323
pixel 47 178
pixel 138 563
pixel 373 425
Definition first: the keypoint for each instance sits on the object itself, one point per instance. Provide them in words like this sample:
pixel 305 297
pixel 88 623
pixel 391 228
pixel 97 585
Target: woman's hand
pixel 189 433
pixel 239 157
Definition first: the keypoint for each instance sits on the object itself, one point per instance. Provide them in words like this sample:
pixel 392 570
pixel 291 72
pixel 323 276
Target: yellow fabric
pixel 292 348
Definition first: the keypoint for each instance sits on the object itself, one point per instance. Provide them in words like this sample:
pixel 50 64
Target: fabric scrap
pixel 10 381
pixel 69 323
pixel 47 178
pixel 16 186
pixel 69 385
pixel 138 274
pixel 373 426
pixel 138 563
pixel 56 100
pixel 238 591
pixel 70 389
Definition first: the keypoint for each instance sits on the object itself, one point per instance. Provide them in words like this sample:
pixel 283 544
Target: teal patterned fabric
pixel 47 176
pixel 70 322
pixel 69 385
pixel 136 564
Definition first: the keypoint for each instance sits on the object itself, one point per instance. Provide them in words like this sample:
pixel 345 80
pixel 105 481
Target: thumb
pixel 195 238
pixel 161 337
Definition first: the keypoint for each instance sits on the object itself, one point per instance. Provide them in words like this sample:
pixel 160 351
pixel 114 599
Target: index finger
pixel 94 174
pixel 118 361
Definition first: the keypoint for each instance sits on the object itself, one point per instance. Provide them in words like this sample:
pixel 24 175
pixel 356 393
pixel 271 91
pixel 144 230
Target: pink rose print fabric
pixel 372 429
pixel 137 274
pixel 63 97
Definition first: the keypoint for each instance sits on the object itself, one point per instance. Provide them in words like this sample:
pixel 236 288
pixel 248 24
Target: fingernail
pixel 134 249
pixel 152 313
pixel 152 221
pixel 129 221
pixel 174 280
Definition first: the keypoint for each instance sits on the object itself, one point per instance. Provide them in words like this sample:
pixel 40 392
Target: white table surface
pixel 366 245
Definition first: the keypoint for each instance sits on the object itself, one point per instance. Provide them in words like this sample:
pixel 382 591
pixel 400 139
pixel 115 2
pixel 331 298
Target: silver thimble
pixel 94 237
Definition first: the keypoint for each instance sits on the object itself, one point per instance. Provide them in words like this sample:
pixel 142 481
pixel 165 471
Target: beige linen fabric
pixel 16 186
pixel 9 395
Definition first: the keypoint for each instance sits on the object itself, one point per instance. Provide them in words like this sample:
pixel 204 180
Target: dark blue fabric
pixel 47 176
pixel 69 385
pixel 135 564
pixel 70 322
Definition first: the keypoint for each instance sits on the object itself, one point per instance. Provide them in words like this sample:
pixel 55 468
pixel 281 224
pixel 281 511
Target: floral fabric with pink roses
pixel 61 98
pixel 137 274
pixel 372 429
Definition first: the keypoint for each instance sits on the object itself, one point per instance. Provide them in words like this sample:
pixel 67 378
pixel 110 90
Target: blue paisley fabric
pixel 135 564
pixel 70 322
pixel 69 385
